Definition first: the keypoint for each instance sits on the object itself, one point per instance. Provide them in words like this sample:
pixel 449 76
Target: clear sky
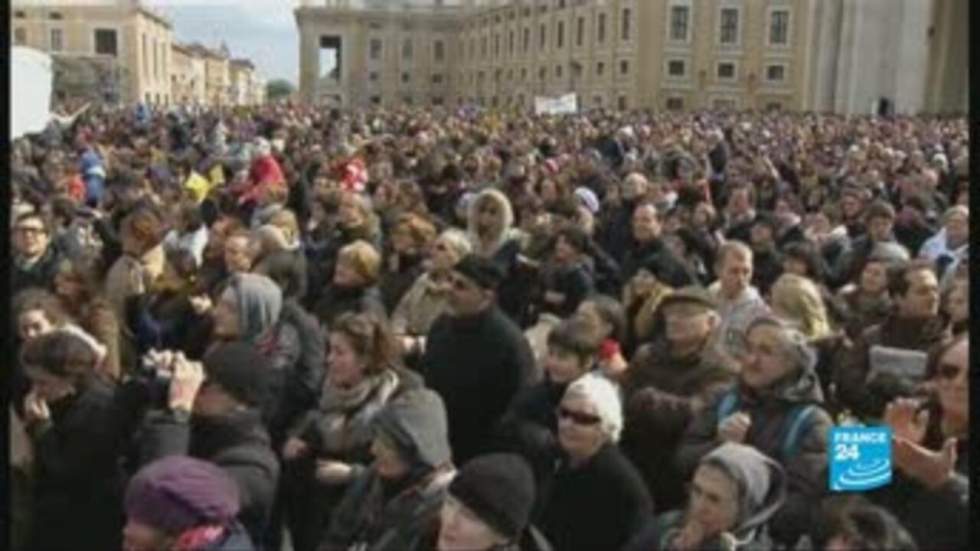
pixel 261 30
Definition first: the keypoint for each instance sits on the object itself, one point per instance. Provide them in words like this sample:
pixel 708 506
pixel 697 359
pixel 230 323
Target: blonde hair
pixel 457 241
pixel 800 301
pixel 286 221
pixel 363 258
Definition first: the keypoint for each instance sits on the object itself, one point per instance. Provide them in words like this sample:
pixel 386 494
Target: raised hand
pixel 905 419
pixel 735 427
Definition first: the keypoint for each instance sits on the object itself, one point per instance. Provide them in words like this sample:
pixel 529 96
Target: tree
pixel 278 89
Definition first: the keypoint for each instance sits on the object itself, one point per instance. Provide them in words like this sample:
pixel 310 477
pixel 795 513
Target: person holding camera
pixel 212 412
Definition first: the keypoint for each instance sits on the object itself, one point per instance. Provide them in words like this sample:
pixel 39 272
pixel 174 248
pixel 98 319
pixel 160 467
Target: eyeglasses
pixel 578 417
pixel 29 230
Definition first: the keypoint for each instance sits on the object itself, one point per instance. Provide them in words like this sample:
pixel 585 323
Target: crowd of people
pixel 399 329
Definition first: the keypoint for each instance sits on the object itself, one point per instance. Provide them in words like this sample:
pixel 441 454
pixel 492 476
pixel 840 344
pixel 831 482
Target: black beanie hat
pixel 240 371
pixel 499 489
pixel 482 271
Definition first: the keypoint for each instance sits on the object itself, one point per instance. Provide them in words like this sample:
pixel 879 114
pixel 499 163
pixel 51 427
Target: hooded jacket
pixel 764 489
pixel 513 293
pixel 770 411
pixel 259 302
pixel 369 515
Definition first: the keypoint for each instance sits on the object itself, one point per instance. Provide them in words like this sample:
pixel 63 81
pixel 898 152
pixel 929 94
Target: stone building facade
pixel 835 55
pixel 126 42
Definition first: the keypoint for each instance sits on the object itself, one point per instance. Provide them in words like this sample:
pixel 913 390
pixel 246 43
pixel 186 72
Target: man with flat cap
pixel 476 358
pixel 666 385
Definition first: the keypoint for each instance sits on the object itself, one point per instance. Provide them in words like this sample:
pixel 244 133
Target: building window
pixel 437 78
pixel 408 100
pixel 600 68
pixel 580 32
pixel 601 29
pixel 496 46
pixel 373 76
pixel 626 22
pixel 437 101
pixel 560 39
pixel 55 16
pixel 542 73
pixel 774 106
pixel 679 16
pixel 406 77
pixel 624 67
pixel 407 49
pixel 676 68
pixel 729 26
pixel 724 104
pixel 472 48
pixel 57 40
pixel 776 73
pixel 19 14
pixel 779 28
pixel 523 74
pixel 527 39
pixel 439 51
pixel 106 42
pixel 597 101
pixel 510 44
pixel 483 47
pixel 557 71
pixel 376 47
pixel 20 36
pixel 623 103
pixel 726 71
pixel 675 104
pixel 376 100
pixel 542 35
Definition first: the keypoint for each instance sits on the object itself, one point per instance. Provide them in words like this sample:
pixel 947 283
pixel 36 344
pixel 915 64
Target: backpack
pixel 795 425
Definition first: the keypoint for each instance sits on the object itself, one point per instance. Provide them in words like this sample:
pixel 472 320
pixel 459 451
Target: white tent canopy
pixel 30 97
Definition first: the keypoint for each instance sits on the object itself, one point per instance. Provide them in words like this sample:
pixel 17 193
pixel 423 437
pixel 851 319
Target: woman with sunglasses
pixel 930 449
pixel 596 499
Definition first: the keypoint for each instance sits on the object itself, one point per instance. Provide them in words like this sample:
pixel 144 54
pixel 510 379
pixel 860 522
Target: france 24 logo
pixel 860 458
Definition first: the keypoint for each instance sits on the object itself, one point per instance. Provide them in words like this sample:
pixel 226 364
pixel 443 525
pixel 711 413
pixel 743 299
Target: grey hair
pixel 794 345
pixel 604 395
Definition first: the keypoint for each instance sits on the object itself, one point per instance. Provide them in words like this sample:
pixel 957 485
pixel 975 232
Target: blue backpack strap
pixel 797 424
pixel 727 405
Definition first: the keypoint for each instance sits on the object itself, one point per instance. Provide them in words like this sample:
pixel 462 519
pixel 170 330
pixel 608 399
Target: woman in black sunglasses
pixel 930 490
pixel 596 499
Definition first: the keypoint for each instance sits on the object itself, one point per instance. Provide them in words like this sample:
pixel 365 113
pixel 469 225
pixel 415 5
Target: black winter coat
pixel 599 505
pixel 78 480
pixel 40 274
pixel 660 260
pixel 336 301
pixel 394 284
pixel 476 365
pixel 239 444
